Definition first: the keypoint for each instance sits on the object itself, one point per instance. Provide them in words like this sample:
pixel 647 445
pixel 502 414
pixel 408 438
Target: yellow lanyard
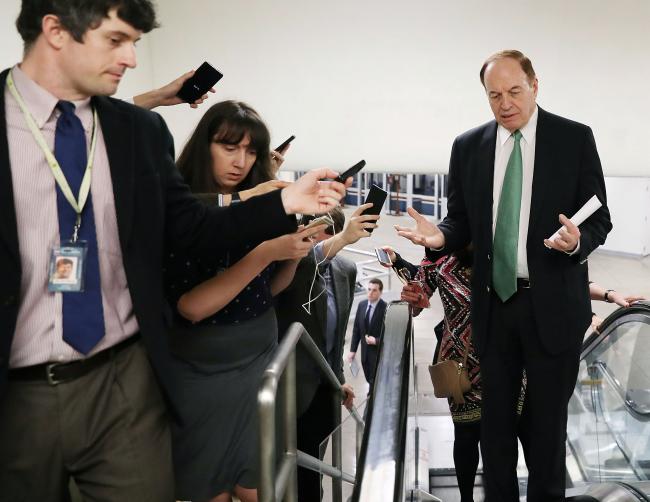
pixel 84 190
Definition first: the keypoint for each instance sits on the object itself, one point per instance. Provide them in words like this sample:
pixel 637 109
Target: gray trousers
pixel 107 429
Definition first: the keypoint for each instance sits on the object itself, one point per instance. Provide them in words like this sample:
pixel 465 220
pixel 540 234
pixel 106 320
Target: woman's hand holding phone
pixel 291 246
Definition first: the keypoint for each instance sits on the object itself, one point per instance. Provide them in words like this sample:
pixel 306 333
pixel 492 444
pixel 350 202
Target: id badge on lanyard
pixel 67 265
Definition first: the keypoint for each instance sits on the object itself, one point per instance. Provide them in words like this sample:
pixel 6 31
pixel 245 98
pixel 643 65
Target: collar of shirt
pixel 372 304
pixel 42 104
pixel 527 132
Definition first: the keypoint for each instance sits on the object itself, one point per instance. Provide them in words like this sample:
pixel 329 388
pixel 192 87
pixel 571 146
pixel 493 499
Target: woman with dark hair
pixel 224 331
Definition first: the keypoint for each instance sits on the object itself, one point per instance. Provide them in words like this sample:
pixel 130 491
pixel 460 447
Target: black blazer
pixel 155 209
pixel 567 173
pixel 289 310
pixel 368 352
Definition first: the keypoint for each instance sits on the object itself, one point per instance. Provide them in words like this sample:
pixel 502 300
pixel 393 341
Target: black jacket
pixel 368 352
pixel 154 209
pixel 289 310
pixel 567 173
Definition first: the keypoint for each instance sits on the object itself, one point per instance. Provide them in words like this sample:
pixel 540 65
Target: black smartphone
pixel 377 196
pixel 285 144
pixel 325 219
pixel 350 172
pixel 199 83
pixel 305 219
pixel 382 257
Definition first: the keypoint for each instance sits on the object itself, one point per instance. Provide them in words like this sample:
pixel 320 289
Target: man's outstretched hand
pixel 309 195
pixel 424 233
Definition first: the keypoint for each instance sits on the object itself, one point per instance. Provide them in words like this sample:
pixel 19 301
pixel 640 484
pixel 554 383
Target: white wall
pixel 628 200
pixel 395 82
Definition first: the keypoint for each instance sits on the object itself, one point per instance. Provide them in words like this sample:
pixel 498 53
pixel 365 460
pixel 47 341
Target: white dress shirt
pixel 504 146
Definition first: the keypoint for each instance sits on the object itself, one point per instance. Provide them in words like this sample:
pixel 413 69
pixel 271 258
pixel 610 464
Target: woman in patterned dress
pixel 451 276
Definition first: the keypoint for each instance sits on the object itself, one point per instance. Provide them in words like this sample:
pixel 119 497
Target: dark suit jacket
pixel 289 310
pixel 567 173
pixel 154 210
pixel 368 352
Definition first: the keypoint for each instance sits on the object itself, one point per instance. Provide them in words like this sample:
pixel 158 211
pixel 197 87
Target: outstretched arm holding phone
pixel 167 95
pixel 212 295
pixel 355 229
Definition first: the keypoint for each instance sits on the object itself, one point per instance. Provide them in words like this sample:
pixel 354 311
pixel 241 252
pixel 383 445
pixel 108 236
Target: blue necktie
pixel 83 315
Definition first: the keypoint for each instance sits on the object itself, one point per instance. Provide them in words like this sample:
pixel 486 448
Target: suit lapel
pixel 485 178
pixel 543 173
pixel 8 225
pixel 340 288
pixel 363 306
pixel 117 129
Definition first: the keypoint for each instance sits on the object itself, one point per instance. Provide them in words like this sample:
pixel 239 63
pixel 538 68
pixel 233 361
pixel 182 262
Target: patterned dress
pixel 452 280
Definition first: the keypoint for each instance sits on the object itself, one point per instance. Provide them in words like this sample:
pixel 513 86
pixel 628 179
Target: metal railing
pixel 280 376
pixel 380 470
pixel 367 271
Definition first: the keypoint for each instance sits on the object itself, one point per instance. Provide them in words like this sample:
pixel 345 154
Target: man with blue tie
pixel 512 183
pixel 367 330
pixel 87 179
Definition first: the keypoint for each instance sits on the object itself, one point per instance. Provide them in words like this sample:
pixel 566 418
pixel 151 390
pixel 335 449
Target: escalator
pixel 406 453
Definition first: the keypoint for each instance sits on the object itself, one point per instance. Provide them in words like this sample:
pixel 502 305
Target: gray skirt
pixel 219 370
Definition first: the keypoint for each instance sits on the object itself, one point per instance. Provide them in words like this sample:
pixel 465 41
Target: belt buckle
pixel 50 375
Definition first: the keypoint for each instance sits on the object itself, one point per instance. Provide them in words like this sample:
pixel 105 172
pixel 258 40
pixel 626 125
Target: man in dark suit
pixel 78 396
pixel 510 179
pixel 368 329
pixel 325 318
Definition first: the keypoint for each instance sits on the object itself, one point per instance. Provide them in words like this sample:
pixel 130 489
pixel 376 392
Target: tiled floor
pixel 627 274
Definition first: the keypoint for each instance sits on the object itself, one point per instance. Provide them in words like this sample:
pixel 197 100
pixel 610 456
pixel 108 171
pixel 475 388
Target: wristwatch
pixel 234 198
pixel 607 295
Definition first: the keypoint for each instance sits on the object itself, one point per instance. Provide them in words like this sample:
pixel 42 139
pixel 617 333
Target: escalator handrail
pixel 611 322
pixel 629 404
pixel 381 461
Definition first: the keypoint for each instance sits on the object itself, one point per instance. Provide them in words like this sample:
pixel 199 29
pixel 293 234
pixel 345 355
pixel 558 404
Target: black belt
pixel 523 283
pixel 56 373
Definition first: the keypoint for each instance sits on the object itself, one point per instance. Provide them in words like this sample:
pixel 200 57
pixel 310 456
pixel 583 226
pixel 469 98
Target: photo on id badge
pixel 66 269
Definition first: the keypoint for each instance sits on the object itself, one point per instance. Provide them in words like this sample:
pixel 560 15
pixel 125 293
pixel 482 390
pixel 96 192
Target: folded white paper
pixel 354 367
pixel 590 207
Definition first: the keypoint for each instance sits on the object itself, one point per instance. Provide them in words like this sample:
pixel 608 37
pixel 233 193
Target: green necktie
pixel 506 233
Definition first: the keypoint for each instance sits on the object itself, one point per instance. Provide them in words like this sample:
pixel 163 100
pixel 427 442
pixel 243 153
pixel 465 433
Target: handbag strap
pixel 465 354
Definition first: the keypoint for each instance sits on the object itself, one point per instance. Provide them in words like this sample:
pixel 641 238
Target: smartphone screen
pixel 351 172
pixel 321 220
pixel 382 257
pixel 377 196
pixel 199 83
pixel 285 144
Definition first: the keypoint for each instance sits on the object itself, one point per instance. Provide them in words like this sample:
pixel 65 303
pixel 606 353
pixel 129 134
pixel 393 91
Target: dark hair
pixel 226 122
pixel 78 16
pixel 518 56
pixel 339 221
pixel 377 282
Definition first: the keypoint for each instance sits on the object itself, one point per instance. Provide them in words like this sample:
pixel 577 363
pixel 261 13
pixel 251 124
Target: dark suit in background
pixel 359 332
pixel 315 398
pixel 540 328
